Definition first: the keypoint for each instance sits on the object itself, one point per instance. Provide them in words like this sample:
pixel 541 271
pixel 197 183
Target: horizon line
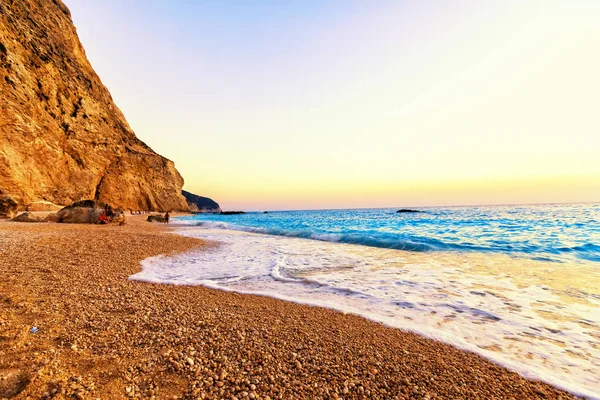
pixel 430 206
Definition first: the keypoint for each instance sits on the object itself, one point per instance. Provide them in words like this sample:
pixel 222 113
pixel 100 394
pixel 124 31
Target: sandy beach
pixel 100 335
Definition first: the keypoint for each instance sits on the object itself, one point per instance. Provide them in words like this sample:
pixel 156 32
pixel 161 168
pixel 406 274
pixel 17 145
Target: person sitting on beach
pixel 167 217
pixel 104 219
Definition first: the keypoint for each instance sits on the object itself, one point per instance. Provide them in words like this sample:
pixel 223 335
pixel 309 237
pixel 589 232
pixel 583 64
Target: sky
pixel 266 105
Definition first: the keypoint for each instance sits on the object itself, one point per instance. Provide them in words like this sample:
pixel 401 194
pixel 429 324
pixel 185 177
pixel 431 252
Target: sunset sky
pixel 339 104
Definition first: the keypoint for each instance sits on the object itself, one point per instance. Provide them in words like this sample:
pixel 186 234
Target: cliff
pixel 201 204
pixel 62 138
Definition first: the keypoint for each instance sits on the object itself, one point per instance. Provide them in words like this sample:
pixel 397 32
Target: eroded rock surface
pixel 42 206
pixel 52 217
pixel 8 205
pixel 81 212
pixel 87 212
pixel 62 139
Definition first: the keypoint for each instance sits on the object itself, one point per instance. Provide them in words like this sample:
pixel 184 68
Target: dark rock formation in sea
pixel 199 204
pixel 232 212
pixel 62 138
pixel 407 210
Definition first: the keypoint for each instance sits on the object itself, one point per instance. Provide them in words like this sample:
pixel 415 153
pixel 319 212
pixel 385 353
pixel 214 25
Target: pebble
pixel 140 336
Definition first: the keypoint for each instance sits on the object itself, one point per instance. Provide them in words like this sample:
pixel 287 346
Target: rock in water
pixel 62 138
pixel 26 217
pixel 407 210
pixel 199 204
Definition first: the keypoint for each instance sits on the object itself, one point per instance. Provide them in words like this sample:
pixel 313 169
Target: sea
pixel 519 285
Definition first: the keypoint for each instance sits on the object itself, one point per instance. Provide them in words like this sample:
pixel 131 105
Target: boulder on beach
pixel 81 212
pixel 52 217
pixel 156 218
pixel 27 217
pixel 118 218
pixel 42 206
pixel 86 212
pixel 8 205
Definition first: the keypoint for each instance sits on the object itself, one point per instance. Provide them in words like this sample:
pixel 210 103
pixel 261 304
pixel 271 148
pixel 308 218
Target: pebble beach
pixel 72 325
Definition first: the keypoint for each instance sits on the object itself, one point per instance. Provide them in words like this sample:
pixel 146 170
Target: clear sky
pixel 338 104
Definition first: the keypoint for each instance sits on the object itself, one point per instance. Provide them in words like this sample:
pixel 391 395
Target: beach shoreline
pixel 102 335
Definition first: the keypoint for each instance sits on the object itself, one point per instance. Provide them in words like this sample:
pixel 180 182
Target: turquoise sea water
pixel 545 232
pixel 519 285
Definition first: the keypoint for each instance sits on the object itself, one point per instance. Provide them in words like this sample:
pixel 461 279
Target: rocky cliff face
pixel 201 204
pixel 62 139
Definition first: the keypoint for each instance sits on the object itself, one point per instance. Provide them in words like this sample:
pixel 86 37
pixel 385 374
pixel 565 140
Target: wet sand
pixel 102 336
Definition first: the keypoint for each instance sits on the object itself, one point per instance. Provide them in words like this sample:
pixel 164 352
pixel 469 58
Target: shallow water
pixel 548 232
pixel 535 312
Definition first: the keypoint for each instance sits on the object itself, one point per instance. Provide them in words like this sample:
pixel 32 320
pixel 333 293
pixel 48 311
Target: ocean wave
pixel 381 242
pixel 545 233
pixel 519 322
pixel 589 252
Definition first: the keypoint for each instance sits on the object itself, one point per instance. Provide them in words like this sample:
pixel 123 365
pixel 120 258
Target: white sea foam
pixel 519 313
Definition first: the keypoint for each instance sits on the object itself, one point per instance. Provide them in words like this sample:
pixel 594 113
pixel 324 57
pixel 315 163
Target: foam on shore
pixel 480 303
